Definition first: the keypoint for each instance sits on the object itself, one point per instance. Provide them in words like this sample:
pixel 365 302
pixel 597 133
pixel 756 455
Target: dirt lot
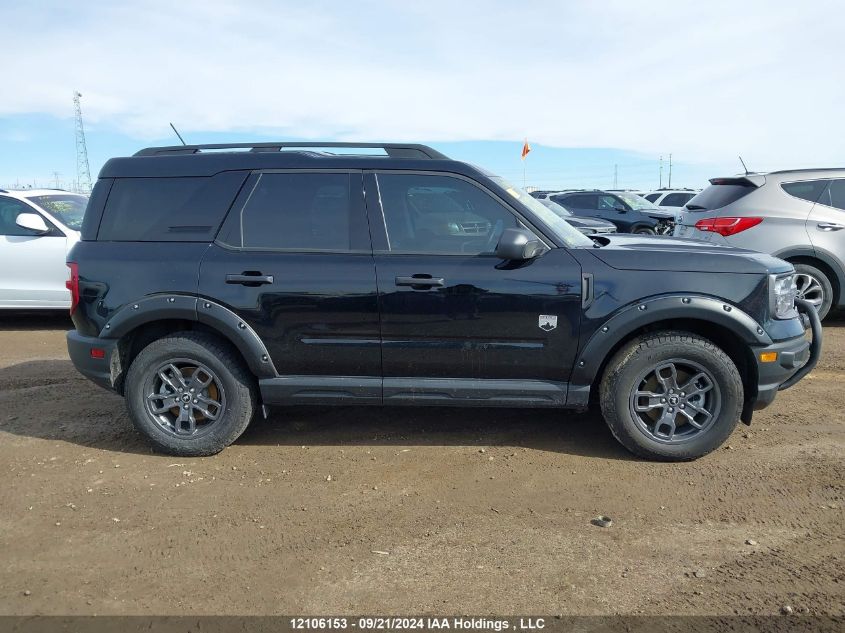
pixel 375 510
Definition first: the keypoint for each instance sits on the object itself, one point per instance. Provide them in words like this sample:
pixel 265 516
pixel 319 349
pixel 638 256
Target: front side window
pixel 10 209
pixel 298 211
pixel 809 190
pixel 441 214
pixel 609 203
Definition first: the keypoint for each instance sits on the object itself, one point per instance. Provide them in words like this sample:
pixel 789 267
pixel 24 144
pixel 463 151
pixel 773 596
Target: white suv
pixel 670 199
pixel 37 229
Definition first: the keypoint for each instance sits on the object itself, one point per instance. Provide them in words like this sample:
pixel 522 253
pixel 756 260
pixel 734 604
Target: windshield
pixel 563 230
pixel 554 206
pixel 636 202
pixel 69 209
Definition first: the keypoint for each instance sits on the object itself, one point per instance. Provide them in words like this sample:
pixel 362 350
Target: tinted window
pixel 809 190
pixel 676 199
pixel 298 211
pixel 10 209
pixel 577 201
pixel 168 209
pixel 652 196
pixel 837 194
pixel 440 214
pixel 718 196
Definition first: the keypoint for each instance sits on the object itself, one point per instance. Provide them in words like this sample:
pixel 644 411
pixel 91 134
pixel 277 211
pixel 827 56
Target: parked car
pixel 210 284
pixel 797 215
pixel 627 211
pixel 37 229
pixel 587 226
pixel 670 199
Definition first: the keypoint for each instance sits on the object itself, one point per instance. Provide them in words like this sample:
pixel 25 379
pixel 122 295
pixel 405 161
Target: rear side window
pixel 809 190
pixel 303 211
pixel 577 202
pixel 168 209
pixel 652 196
pixel 718 196
pixel 835 195
pixel 675 199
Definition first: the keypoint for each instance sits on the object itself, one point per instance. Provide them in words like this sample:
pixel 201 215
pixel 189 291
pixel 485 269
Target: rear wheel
pixel 814 286
pixel 671 396
pixel 190 394
pixel 643 230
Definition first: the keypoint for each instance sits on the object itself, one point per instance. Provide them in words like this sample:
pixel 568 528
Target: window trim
pixel 255 176
pixel 448 174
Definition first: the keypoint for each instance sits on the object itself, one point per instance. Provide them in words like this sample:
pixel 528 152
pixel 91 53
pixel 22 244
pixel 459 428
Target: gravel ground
pixel 383 510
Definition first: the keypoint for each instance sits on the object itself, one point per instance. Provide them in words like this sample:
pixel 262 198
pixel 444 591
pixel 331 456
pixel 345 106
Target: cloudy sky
pixel 592 84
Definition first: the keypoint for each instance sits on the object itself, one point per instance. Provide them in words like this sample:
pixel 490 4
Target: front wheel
pixel 814 286
pixel 643 230
pixel 671 396
pixel 190 394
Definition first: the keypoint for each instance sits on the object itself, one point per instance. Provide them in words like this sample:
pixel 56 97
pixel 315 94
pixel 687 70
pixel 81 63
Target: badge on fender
pixel 548 322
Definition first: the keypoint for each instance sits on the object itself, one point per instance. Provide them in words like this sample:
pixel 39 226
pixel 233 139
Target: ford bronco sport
pixel 211 281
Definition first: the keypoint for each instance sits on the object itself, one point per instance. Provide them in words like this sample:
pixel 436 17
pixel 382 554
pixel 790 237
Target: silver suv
pixel 797 215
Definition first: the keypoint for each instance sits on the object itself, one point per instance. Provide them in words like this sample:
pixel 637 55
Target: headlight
pixel 782 291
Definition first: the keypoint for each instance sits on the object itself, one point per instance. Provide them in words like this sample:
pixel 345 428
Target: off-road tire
pixel 238 384
pixel 824 282
pixel 650 350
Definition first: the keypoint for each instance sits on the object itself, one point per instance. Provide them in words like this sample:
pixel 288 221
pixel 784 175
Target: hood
pixel 672 254
pixel 659 214
pixel 580 221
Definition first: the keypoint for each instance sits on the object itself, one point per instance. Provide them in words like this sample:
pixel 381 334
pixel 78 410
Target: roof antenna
pixel 183 140
pixel 740 160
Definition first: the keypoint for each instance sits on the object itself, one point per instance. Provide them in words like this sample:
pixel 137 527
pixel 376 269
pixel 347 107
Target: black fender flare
pixel 633 317
pixel 166 306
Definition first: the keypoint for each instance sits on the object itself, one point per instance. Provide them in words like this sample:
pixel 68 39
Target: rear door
pixel 32 265
pixel 294 260
pixel 457 322
pixel 826 224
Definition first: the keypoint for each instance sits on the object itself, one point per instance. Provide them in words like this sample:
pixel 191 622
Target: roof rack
pixel 393 150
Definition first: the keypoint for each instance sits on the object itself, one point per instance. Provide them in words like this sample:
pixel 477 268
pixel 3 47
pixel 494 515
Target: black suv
pixel 628 211
pixel 210 282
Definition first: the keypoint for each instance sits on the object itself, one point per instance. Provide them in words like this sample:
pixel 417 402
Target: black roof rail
pixel 393 150
pixel 3 191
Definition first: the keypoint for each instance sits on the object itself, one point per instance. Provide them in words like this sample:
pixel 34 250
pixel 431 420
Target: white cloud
pixel 705 80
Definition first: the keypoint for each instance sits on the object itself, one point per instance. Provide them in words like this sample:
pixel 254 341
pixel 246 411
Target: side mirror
pixel 518 244
pixel 33 222
pixel 621 209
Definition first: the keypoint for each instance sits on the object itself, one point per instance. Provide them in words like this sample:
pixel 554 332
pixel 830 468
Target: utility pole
pixel 615 176
pixel 661 173
pixel 670 171
pixel 83 172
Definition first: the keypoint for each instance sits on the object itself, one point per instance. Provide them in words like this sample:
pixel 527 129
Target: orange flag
pixel 525 149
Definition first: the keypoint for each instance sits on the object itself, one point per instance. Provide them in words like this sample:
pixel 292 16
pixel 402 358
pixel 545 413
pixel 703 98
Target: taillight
pixel 72 284
pixel 727 226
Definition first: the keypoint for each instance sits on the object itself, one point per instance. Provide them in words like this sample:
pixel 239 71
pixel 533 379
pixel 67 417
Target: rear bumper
pixel 98 370
pixel 796 357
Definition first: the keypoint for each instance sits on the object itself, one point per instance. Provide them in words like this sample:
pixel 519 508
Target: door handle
pixel 829 226
pixel 249 278
pixel 420 282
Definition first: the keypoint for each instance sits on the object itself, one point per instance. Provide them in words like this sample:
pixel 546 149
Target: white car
pixel 670 199
pixel 37 229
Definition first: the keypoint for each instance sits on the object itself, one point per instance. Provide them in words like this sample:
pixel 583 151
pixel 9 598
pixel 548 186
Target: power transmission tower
pixel 661 172
pixel 83 172
pixel 615 176
pixel 670 171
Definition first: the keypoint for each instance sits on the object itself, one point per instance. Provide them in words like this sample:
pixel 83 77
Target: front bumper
pixel 796 357
pixel 99 370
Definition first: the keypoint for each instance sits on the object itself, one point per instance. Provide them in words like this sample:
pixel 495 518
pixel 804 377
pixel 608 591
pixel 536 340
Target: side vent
pixel 586 290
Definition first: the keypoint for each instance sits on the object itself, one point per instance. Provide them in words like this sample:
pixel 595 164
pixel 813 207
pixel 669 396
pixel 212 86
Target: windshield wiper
pixel 694 207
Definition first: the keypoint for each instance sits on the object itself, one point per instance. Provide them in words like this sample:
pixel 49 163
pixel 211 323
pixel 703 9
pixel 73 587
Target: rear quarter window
pixel 809 190
pixel 181 209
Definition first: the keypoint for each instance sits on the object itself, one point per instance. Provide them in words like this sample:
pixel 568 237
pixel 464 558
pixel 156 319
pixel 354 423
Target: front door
pixel 457 322
pixel 293 259
pixel 32 264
